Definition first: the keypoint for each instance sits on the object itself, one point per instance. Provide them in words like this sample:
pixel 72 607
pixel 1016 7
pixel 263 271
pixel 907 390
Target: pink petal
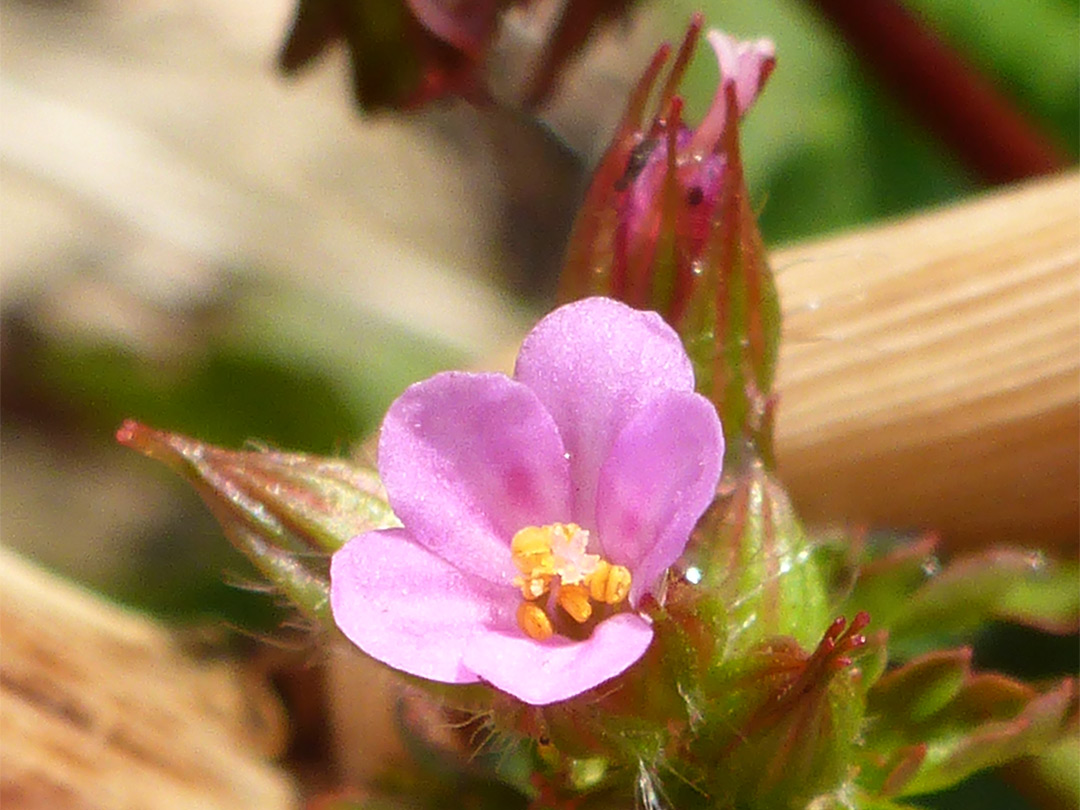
pixel 747 64
pixel 546 672
pixel 401 604
pixel 593 364
pixel 657 482
pixel 744 64
pixel 468 460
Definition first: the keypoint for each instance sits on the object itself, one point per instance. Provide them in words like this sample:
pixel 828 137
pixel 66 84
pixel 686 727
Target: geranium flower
pixel 537 511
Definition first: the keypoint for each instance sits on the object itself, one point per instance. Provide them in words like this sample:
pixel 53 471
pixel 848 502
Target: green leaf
pixel 932 723
pixel 952 758
pixel 906 697
pixel 1048 599
pixel 873 803
pixel 1054 775
pixel 972 590
pixel 885 584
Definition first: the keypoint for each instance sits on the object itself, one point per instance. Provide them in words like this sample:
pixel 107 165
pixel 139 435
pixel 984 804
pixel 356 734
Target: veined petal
pixel 402 604
pixel 658 480
pixel 468 460
pixel 545 672
pixel 594 364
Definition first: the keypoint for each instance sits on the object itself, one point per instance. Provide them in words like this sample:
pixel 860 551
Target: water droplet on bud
pixel 1036 561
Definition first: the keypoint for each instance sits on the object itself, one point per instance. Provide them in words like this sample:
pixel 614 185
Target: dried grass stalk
pixel 100 708
pixel 931 371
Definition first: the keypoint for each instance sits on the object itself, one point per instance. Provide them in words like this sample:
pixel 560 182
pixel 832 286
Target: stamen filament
pixel 556 556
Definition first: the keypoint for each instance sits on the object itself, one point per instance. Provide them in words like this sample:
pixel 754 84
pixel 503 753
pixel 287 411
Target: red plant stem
pixel 960 105
pixel 576 24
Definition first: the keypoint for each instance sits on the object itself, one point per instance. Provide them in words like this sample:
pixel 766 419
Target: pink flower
pixel 537 511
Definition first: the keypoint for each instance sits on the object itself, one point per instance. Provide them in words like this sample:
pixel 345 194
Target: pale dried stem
pixel 100 708
pixel 930 376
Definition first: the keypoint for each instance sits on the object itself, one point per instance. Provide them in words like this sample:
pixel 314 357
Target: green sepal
pixel 298 502
pixel 775 740
pixel 732 325
pixel 493 777
pixel 754 567
pixel 305 585
pixel 285 511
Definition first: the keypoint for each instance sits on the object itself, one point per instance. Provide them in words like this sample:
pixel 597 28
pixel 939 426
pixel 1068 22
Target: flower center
pixel 553 559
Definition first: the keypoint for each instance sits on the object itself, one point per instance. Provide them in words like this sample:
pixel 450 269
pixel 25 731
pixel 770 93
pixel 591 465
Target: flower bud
pixel 792 720
pixel 751 568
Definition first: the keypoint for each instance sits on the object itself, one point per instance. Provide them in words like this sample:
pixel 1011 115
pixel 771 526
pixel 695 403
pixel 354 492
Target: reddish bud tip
pixel 125 434
pixel 861 620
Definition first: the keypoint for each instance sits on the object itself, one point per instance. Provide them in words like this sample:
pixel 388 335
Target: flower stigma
pixel 556 555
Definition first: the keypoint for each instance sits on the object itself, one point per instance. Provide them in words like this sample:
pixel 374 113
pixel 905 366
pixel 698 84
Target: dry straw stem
pixel 100 708
pixel 930 376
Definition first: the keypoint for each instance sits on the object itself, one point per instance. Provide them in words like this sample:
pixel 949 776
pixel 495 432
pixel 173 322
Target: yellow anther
pixel 532 619
pixel 574 599
pixel 531 551
pixel 533 587
pixel 609 583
